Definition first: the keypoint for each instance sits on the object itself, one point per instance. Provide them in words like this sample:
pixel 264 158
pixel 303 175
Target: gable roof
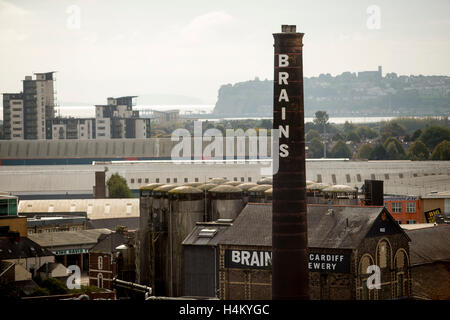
pixel 15 248
pixel 429 245
pixel 345 228
pixel 109 242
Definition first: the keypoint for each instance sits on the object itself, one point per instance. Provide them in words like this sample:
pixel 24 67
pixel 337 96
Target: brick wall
pixel 244 284
pixel 108 269
pixel 391 274
pixel 257 284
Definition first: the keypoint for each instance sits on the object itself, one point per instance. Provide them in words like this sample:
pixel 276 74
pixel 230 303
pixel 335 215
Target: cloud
pixel 204 25
pixel 11 18
pixel 8 9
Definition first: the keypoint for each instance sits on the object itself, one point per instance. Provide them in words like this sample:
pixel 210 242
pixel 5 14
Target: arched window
pixel 383 254
pixel 402 274
pixel 100 280
pixel 364 263
pixel 100 263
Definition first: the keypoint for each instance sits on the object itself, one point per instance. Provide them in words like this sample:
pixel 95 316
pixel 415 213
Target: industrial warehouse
pixel 229 256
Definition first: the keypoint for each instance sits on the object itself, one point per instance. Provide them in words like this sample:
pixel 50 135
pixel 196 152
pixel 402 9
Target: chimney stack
pixel 290 274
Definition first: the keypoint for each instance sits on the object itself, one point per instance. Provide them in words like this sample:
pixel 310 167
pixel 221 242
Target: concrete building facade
pixel 25 114
pixel 70 128
pixel 117 120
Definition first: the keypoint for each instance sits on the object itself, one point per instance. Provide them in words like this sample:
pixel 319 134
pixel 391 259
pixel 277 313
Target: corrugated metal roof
pixel 429 245
pixel 253 226
pixel 68 238
pixel 95 208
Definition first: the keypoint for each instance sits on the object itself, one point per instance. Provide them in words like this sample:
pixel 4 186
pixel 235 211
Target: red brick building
pixel 405 209
pixel 104 264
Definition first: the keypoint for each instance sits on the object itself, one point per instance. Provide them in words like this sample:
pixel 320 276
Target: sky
pixel 102 48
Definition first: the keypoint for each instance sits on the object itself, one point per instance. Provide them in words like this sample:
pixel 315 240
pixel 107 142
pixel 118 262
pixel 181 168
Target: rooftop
pixel 207 233
pixel 95 208
pixel 437 195
pixel 15 248
pixel 429 245
pixel 109 242
pixel 68 238
pixel 345 228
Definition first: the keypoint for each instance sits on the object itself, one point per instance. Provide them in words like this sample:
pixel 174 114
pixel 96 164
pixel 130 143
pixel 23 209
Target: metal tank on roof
pixel 266 180
pixel 207 197
pixel 207 186
pixel 245 187
pixel 159 239
pixel 226 202
pixel 233 183
pixel 160 207
pixel 143 243
pixel 187 207
pixel 256 194
pixel 341 194
pixel 218 180
pixel 193 184
pixel 268 195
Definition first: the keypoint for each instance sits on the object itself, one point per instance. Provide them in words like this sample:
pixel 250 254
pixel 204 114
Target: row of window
pixel 397 207
pixel 186 180
pixel 48 230
pixel 358 177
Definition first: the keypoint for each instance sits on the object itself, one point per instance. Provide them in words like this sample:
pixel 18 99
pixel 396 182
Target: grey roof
pixel 253 226
pixel 195 239
pixel 109 242
pixel 111 224
pixel 429 245
pixel 14 248
pixel 68 238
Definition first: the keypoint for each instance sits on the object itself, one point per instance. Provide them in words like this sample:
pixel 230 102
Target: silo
pixel 187 207
pixel 193 184
pixel 218 180
pixel 160 247
pixel 226 202
pixel 207 198
pixel 143 274
pixel 256 194
pixel 266 180
pixel 245 187
pixel 268 195
pixel 233 183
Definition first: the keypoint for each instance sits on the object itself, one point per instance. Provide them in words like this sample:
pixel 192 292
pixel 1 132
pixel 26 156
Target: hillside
pixel 365 94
